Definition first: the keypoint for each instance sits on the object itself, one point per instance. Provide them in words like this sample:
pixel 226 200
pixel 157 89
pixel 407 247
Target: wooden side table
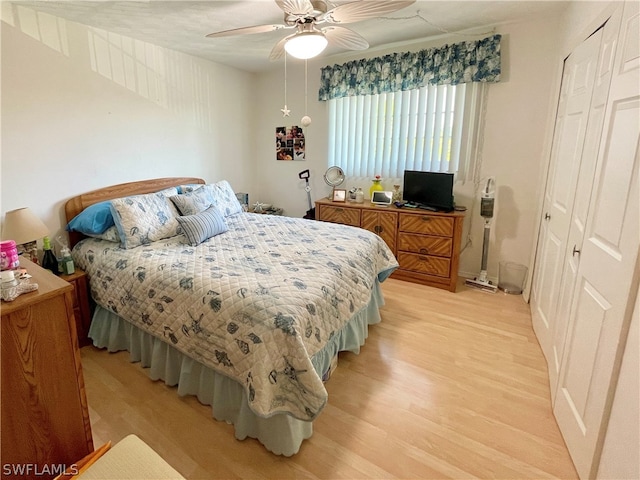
pixel 81 306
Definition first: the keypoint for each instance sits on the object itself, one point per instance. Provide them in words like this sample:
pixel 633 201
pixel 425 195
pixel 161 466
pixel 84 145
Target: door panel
pixel 382 223
pixel 547 279
pixel 592 310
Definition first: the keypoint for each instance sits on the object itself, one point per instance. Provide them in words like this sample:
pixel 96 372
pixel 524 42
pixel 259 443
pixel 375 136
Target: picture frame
pixel 290 143
pixel 339 195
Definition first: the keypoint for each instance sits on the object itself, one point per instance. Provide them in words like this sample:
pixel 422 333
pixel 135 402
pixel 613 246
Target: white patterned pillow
pixel 189 187
pixel 169 191
pixel 225 198
pixel 110 234
pixel 202 226
pixel 194 202
pixel 142 219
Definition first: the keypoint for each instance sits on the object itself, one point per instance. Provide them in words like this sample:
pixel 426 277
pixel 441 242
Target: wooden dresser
pixel 45 418
pixel 426 244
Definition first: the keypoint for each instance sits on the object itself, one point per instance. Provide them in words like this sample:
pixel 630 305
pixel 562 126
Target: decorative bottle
pixel 49 260
pixel 397 194
pixel 376 185
pixel 66 262
pixel 359 195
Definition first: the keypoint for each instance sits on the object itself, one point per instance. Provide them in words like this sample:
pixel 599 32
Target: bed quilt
pixel 254 303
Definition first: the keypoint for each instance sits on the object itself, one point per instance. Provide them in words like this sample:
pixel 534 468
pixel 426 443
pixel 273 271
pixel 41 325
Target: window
pixel 432 128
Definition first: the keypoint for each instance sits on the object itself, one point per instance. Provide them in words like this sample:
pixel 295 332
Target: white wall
pixel 83 109
pixel 517 114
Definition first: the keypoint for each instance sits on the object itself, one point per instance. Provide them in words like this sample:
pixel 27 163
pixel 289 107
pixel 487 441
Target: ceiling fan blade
pixel 345 38
pixel 362 10
pixel 278 50
pixel 295 7
pixel 247 30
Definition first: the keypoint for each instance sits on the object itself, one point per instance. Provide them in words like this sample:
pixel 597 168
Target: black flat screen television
pixel 431 190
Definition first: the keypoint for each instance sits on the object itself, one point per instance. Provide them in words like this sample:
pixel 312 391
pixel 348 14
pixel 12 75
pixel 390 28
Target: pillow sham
pixel 95 219
pixel 110 234
pixel 142 219
pixel 167 192
pixel 193 202
pixel 189 187
pixel 202 226
pixel 225 198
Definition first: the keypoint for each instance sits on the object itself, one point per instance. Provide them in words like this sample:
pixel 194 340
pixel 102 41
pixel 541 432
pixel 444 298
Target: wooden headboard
pixel 75 205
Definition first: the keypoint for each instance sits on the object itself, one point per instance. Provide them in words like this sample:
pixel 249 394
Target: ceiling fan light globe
pixel 306 45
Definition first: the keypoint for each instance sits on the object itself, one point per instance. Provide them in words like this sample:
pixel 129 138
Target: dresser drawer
pixel 431 265
pixel 426 245
pixel 346 216
pixel 427 224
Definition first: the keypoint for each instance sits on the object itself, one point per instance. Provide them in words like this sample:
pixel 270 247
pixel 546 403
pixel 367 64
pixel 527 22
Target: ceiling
pixel 182 24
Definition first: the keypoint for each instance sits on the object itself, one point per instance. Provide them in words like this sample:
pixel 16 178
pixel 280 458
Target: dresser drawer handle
pixel 339 210
pixel 424 251
pixel 426 219
pixel 423 259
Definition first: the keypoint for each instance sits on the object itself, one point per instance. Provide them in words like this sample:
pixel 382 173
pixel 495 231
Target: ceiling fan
pixel 305 16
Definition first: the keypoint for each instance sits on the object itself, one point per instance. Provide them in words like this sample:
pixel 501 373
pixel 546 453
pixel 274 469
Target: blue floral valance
pixel 463 62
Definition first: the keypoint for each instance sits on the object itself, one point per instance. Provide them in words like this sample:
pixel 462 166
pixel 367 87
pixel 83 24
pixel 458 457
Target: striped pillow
pixel 202 226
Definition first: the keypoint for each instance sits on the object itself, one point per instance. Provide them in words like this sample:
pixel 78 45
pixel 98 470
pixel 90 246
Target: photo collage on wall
pixel 289 143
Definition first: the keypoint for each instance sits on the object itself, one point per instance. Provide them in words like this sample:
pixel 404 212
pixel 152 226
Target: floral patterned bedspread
pixel 255 303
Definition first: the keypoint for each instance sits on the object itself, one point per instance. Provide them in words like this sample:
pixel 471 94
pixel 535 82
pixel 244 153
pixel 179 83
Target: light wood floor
pixel 447 386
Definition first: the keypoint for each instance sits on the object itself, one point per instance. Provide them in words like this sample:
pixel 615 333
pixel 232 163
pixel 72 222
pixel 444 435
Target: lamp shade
pixel 23 226
pixel 306 44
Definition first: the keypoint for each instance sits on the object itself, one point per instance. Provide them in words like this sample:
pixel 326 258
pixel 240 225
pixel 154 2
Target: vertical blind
pixel 385 134
pixel 412 110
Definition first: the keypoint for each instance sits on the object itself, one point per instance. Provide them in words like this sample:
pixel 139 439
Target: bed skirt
pixel 281 434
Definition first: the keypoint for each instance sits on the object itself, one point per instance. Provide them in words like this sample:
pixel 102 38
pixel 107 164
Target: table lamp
pixel 24 227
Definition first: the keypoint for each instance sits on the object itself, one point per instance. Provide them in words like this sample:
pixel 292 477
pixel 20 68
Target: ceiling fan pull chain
pixel 305 86
pixel 306 120
pixel 285 111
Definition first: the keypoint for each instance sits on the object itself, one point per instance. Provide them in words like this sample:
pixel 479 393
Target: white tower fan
pixel 487 203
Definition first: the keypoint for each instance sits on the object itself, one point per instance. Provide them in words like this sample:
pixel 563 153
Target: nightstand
pixel 81 305
pixel 269 211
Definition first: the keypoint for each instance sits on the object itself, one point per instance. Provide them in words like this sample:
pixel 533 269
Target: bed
pixel 247 313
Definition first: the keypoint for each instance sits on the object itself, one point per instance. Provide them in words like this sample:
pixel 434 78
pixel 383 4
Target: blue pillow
pixel 95 219
pixel 202 226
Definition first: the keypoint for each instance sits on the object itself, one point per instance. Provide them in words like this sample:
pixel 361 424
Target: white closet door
pixel 603 301
pixel 566 156
pixel 580 211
